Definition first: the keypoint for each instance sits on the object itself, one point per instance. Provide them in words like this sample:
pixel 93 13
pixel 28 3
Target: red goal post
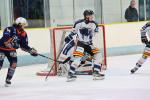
pixel 58 34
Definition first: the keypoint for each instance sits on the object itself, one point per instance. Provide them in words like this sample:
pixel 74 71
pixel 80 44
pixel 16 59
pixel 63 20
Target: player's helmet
pixel 88 12
pixel 21 21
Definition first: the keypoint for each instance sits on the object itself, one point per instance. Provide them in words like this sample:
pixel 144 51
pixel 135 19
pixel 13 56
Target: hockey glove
pixel 33 52
pixel 148 44
pixel 144 39
pixel 68 39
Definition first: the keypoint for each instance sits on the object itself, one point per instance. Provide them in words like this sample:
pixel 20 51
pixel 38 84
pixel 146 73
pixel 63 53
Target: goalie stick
pixel 54 65
pixel 60 62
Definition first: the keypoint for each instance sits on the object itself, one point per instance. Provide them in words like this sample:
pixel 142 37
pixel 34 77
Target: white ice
pixel 118 85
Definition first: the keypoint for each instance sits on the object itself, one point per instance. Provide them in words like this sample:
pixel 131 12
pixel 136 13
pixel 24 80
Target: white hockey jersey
pixel 145 31
pixel 85 31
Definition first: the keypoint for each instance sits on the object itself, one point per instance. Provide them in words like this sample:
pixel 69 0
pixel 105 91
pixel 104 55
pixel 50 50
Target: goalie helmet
pixel 87 13
pixel 21 21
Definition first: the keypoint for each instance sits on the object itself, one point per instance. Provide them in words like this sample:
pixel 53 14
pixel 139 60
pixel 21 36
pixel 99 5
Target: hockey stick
pixel 60 62
pixel 50 58
pixel 52 66
pixel 46 78
pixel 55 60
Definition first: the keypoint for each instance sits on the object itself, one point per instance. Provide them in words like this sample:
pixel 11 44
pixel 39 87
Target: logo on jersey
pixel 85 31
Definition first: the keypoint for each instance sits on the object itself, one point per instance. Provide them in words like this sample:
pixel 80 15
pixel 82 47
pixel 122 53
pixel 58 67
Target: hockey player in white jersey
pixel 85 30
pixel 67 56
pixel 145 35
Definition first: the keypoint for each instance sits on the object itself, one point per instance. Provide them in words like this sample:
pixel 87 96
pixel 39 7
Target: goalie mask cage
pixel 58 35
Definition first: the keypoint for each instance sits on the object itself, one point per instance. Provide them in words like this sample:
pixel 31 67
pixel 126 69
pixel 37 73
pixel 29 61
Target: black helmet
pixel 88 12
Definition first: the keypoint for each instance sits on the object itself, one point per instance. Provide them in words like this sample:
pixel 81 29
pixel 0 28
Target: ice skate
pixel 134 70
pixel 71 77
pixel 98 76
pixel 8 83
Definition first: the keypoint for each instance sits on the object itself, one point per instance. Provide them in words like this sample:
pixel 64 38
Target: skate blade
pixel 132 72
pixel 7 85
pixel 98 78
pixel 71 80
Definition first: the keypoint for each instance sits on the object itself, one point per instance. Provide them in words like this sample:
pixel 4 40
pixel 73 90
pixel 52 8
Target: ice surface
pixel 118 85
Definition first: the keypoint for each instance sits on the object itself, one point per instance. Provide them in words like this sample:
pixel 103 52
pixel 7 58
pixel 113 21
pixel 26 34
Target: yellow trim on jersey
pixel 77 53
pixel 95 50
pixel 146 54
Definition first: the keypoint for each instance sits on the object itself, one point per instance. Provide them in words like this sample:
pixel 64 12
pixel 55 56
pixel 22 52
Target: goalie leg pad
pixel 62 57
pixel 74 65
pixel 63 69
pixel 97 67
pixel 97 62
pixel 98 57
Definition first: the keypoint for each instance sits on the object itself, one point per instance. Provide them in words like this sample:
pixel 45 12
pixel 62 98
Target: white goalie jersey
pixel 85 31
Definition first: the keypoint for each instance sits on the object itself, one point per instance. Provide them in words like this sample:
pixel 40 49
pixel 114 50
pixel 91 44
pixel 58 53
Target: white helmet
pixel 22 21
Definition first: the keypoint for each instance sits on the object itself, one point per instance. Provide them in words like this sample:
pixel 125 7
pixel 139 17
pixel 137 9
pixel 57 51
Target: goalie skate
pixel 98 76
pixel 71 77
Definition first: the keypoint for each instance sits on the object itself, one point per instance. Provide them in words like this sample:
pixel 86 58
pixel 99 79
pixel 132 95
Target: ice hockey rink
pixel 119 84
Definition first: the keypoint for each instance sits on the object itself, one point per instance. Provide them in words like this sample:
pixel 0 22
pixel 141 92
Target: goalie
pixel 145 34
pixel 66 55
pixel 85 30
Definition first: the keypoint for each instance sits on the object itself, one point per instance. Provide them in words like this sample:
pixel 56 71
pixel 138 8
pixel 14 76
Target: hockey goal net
pixel 58 35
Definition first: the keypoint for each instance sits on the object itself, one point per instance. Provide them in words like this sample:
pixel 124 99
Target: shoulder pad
pixel 78 21
pixel 94 23
pixel 8 30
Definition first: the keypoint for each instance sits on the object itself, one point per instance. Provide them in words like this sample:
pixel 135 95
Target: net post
pixel 54 51
pixel 104 41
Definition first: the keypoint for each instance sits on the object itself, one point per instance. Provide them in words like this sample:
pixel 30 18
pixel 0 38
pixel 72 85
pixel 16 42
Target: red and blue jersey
pixel 14 38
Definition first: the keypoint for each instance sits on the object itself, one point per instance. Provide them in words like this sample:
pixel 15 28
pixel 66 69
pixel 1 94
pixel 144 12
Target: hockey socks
pixel 10 74
pixel 139 64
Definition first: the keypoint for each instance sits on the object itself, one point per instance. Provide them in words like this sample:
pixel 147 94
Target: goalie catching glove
pixel 33 52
